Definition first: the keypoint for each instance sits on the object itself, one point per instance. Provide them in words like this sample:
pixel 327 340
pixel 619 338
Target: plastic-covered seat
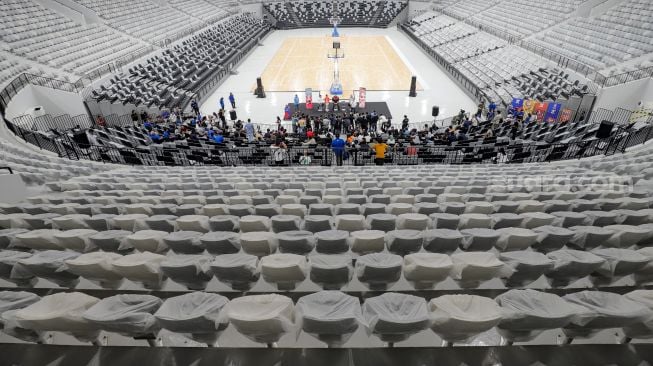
pixel 632 217
pixel 350 222
pixel 454 208
pixel 643 330
pixel 111 240
pixel 445 221
pixel 142 268
pixel 600 218
pixel 8 260
pixel 8 237
pixel 568 219
pixel 624 236
pixel 515 239
pixel 504 206
pixel 199 314
pixel 184 242
pixel 192 271
pixel 267 209
pixel 379 270
pixel 284 270
pixel 367 241
pixel 10 303
pixel 505 220
pixel 262 318
pixel 570 265
pixel 526 267
pixel 259 243
pixel 332 241
pixel 295 209
pixel 479 207
pixel 126 314
pixel 425 270
pixel 479 239
pixel 536 219
pixel 373 208
pixel 42 221
pixel 165 223
pixel 348 209
pixel 395 317
pixel 442 240
pixel 382 221
pixel 619 262
pixel 96 267
pixel 148 241
pixel 296 242
pixel 330 316
pixel 602 310
pixel 471 268
pixel 403 242
pixel 456 318
pixel 550 238
pixel 426 208
pixel 225 223
pixel 127 222
pixel 526 313
pixel 588 237
pixel 281 223
pixel 221 242
pixel 413 221
pixel 199 223
pixel 470 221
pixel 399 208
pixel 50 265
pixel 42 239
pixel 317 223
pixel 380 198
pixel 240 271
pixel 70 222
pixel 60 312
pixel 331 272
pixel 326 209
pixel 530 206
pixel 240 210
pixel 216 209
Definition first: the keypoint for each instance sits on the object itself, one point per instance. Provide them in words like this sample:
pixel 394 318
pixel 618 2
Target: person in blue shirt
pixel 219 139
pixel 232 100
pixel 338 147
pixel 296 100
pixel 195 107
pixel 492 107
pixel 166 135
pixel 155 137
pixel 147 125
pixel 222 103
pixel 249 130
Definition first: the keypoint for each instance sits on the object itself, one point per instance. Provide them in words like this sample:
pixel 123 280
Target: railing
pixel 626 77
pixel 7 168
pixel 22 80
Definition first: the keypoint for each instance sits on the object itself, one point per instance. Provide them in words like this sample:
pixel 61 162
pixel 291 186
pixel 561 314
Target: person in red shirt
pixel 326 102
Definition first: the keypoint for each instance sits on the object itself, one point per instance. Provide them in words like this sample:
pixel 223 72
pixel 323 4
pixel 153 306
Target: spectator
pixel 195 107
pixel 338 147
pixel 305 159
pixel 404 123
pixel 134 116
pixel 379 151
pixel 222 103
pixel 249 130
pixel 100 121
pixel 296 101
pixel 232 100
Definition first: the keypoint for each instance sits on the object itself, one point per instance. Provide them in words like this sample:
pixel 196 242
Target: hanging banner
pixel 528 106
pixel 362 97
pixel 540 111
pixel 309 98
pixel 517 103
pixel 552 112
pixel 565 116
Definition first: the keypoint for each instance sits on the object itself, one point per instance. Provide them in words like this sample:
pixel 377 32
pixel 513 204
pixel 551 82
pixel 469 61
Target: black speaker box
pixel 435 111
pixel 605 129
pixel 413 87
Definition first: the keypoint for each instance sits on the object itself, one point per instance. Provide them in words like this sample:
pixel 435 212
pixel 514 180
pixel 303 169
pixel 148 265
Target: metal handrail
pixel 7 168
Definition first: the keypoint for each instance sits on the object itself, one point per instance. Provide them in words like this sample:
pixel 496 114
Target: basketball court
pixel 369 61
pixel 380 60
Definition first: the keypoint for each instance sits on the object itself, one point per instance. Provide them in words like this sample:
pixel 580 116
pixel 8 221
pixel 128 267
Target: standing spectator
pixel 338 146
pixel 404 123
pixel 249 130
pixel 195 107
pixel 144 116
pixel 327 100
pixel 134 116
pixel 336 101
pixel 296 101
pixel 222 103
pixel 232 100
pixel 100 121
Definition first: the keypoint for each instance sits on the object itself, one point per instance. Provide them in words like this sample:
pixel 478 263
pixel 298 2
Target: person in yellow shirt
pixel 379 150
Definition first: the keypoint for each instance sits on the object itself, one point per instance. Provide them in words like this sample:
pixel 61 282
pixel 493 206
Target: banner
pixel 540 110
pixel 552 113
pixel 517 103
pixel 309 98
pixel 565 116
pixel 362 96
pixel 528 106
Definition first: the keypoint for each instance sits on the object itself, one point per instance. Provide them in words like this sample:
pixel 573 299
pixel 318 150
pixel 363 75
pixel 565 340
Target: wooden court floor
pixel 370 62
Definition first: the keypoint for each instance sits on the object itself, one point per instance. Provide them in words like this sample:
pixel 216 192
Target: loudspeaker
pixel 81 138
pixel 604 130
pixel 435 111
pixel 259 92
pixel 232 115
pixel 413 87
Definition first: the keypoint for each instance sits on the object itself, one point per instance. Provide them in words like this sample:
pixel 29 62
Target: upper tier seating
pixel 200 9
pixel 143 18
pixel 44 36
pixel 622 33
pixel 468 8
pixel 521 18
pixel 295 14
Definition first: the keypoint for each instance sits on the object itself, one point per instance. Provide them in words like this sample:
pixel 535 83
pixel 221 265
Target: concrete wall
pixel 626 96
pixel 54 102
pixel 13 188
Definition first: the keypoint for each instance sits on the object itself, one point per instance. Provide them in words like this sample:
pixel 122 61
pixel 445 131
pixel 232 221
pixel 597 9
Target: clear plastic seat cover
pixel 603 310
pixel 426 268
pixel 379 269
pixel 296 242
pixel 192 271
pixel 394 317
pixel 620 262
pixel 49 264
pixel 221 242
pixel 127 314
pixel 262 318
pixel 332 241
pixel 196 312
pixel 59 312
pixel 459 317
pixel 259 243
pixel 331 316
pixel 331 271
pixel 442 240
pixel 240 270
